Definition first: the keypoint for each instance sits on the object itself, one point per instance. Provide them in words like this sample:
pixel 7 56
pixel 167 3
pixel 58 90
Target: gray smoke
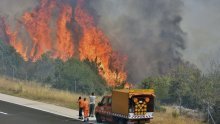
pixel 202 24
pixel 12 10
pixel 147 31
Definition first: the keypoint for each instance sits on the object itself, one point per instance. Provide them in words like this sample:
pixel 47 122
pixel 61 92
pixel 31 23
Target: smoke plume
pixel 147 31
pixel 13 9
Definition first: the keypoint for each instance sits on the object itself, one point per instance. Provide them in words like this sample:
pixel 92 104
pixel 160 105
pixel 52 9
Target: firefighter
pixel 92 99
pixel 86 110
pixel 80 102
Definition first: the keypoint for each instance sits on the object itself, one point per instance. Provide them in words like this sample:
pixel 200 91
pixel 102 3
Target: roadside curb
pixel 53 109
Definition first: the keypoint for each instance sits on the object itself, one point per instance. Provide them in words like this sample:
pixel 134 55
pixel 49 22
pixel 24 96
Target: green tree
pixel 148 83
pixel 11 62
pixel 78 76
pixel 183 78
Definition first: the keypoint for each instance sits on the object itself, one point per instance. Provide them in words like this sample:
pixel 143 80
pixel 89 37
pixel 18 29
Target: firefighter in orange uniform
pixel 86 110
pixel 80 101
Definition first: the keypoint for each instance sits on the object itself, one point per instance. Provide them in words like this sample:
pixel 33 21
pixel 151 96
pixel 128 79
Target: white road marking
pixel 3 113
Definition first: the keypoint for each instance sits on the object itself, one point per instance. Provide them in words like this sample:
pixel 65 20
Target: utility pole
pixel 3 62
pixel 26 76
pixel 13 73
pixel 75 85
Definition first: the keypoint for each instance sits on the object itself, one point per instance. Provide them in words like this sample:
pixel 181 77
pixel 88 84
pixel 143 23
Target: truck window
pixel 104 101
pixel 110 101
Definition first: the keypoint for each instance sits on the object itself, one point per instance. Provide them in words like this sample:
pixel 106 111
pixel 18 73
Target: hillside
pixel 72 75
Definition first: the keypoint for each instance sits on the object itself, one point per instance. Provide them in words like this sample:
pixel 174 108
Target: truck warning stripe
pixel 148 115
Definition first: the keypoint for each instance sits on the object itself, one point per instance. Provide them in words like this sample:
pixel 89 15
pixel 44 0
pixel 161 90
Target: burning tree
pixel 57 35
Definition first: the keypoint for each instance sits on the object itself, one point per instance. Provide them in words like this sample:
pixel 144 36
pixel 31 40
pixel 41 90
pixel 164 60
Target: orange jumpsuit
pixel 80 101
pixel 86 109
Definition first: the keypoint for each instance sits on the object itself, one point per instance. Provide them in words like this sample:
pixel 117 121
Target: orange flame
pixel 14 42
pixel 128 85
pixel 64 47
pixel 95 46
pixel 17 44
pixel 37 24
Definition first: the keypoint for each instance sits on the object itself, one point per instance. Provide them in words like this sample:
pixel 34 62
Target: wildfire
pixel 64 46
pixel 37 24
pixel 17 44
pixel 128 85
pixel 93 45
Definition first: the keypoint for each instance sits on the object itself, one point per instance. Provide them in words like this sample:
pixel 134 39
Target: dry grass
pixel 35 91
pixel 168 118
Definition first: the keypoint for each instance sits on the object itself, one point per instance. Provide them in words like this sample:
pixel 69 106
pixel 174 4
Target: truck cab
pixel 126 106
pixel 103 109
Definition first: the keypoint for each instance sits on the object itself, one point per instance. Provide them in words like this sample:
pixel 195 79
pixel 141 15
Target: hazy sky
pixel 201 22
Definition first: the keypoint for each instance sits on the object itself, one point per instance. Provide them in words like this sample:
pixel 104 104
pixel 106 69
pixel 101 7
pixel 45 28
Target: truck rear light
pixel 147 99
pixel 135 100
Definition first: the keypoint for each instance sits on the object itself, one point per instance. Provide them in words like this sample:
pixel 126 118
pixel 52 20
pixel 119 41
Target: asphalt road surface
pixel 15 114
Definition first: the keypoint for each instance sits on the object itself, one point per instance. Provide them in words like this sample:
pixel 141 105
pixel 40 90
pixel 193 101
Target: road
pixel 15 114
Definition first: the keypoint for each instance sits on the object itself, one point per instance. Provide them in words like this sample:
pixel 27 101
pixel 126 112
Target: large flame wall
pixel 93 44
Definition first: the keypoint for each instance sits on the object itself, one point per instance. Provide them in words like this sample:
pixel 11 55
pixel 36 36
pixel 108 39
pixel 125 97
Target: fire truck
pixel 126 106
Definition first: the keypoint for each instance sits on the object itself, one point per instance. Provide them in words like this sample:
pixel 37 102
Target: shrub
pixel 160 108
pixel 175 114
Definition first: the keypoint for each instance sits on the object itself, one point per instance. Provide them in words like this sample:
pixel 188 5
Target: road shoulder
pixel 57 110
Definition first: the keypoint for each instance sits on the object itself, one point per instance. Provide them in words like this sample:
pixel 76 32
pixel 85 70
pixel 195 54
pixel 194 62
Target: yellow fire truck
pixel 126 106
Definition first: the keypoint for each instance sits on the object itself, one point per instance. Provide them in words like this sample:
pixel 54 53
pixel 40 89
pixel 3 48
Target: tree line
pixel 185 85
pixel 72 75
